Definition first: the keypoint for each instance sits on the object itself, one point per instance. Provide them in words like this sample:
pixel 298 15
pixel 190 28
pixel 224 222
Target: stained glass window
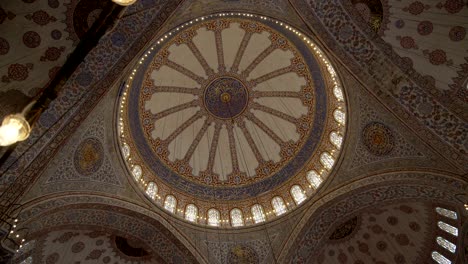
pixel 446 244
pixel 338 93
pixel 340 116
pixel 314 179
pixel 447 213
pixel 278 205
pixel 191 213
pixel 28 260
pixel 336 139
pixel 136 171
pixel 448 228
pixel 298 194
pixel 213 217
pixel 258 214
pixel 236 217
pixel 170 203
pixel 152 190
pixel 439 258
pixel 327 160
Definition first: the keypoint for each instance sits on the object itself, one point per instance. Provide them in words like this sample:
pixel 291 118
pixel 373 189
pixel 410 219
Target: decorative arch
pixel 377 196
pixel 112 216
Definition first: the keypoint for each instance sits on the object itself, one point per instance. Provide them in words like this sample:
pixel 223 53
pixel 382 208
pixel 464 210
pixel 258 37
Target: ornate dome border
pixel 249 207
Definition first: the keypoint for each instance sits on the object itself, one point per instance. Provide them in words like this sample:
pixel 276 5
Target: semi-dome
pixel 231 119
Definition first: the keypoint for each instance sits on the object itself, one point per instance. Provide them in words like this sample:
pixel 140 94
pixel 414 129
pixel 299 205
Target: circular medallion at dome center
pixel 225 97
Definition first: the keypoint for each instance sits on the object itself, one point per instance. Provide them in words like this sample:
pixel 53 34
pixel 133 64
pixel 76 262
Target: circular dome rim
pixel 328 93
pixel 256 188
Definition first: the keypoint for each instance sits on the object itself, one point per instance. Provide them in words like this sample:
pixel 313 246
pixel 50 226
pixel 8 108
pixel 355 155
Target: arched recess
pixel 373 217
pixel 127 227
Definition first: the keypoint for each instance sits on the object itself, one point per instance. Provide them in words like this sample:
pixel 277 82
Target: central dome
pixel 231 109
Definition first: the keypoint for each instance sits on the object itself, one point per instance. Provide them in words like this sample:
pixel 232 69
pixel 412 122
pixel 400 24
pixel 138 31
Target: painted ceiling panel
pixel 375 142
pixel 35 38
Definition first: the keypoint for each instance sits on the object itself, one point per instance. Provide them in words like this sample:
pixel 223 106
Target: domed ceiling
pixel 231 119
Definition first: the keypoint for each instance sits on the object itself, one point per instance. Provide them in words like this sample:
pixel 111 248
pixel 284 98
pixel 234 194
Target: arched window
pixel 314 179
pixel 236 217
pixel 448 228
pixel 338 93
pixel 191 213
pixel 258 214
pixel 152 190
pixel 340 116
pixel 136 171
pixel 28 260
pixel 439 258
pixel 278 205
pixel 170 203
pixel 447 213
pixel 126 150
pixel 446 244
pixel 336 139
pixel 331 70
pixel 213 217
pixel 327 160
pixel 27 246
pixel 298 194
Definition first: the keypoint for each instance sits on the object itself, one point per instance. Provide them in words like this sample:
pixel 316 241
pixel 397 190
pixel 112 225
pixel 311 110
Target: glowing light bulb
pixel 14 128
pixel 124 2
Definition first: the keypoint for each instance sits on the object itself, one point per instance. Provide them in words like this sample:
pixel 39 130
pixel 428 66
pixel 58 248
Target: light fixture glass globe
pixel 124 2
pixel 14 128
